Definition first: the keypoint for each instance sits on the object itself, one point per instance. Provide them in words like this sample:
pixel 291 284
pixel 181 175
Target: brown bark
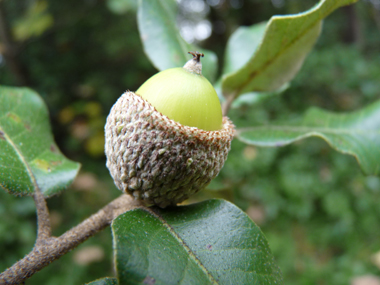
pixel 48 249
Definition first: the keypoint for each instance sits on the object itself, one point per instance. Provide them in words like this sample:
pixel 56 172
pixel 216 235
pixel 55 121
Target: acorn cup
pixel 168 140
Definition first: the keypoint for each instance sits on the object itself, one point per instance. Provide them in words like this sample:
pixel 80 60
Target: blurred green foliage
pixel 318 211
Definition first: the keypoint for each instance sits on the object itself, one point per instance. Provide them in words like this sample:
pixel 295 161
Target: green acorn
pixel 169 140
pixel 185 96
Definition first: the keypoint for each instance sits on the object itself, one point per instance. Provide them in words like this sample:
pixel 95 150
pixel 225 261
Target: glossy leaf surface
pixel 162 41
pixel 212 242
pixel 276 60
pixel 28 153
pixel 356 133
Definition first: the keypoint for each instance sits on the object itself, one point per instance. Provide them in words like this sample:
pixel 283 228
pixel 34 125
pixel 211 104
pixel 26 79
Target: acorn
pixel 168 140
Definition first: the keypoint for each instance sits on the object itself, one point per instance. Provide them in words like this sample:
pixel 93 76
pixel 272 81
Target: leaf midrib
pixel 22 158
pixel 183 243
pixel 258 71
pixel 255 73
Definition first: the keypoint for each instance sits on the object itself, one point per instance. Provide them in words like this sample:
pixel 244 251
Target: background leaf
pixel 357 134
pixel 205 243
pixel 285 44
pixel 34 23
pixel 28 153
pixel 104 281
pixel 122 6
pixel 242 45
pixel 252 98
pixel 162 41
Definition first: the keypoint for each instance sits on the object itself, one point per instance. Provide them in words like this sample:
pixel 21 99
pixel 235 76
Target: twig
pixel 227 104
pixel 43 218
pixel 54 247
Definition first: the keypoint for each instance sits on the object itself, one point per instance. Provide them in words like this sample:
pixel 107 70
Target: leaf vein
pixel 187 248
pixel 22 158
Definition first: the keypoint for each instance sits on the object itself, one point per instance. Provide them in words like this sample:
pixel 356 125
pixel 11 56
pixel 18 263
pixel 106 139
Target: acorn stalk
pixel 169 140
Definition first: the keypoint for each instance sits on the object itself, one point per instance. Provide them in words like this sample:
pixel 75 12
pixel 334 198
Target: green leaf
pixel 104 281
pixel 212 242
pixel 356 134
pixel 277 59
pixel 242 45
pixel 252 98
pixel 122 6
pixel 162 41
pixel 29 156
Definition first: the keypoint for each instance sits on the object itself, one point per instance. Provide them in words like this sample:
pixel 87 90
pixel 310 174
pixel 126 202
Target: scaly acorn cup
pixel 169 140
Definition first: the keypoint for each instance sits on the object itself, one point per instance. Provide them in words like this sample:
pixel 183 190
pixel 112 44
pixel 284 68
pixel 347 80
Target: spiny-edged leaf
pixel 212 242
pixel 28 153
pixel 104 281
pixel 286 42
pixel 162 41
pixel 356 133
